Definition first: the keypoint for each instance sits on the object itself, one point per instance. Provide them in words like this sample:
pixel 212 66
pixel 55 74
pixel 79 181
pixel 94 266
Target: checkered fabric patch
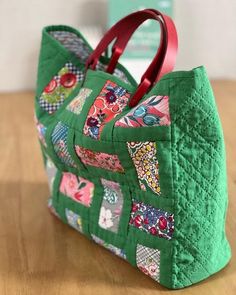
pixel 148 261
pixel 59 140
pixel 60 87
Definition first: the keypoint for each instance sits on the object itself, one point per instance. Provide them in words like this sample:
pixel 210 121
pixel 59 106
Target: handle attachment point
pixel 140 92
pixel 116 53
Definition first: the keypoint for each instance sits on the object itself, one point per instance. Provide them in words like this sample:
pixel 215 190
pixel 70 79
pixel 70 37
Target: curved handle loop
pixel 122 31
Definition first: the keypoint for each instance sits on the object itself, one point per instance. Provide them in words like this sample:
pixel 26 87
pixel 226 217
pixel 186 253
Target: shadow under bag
pixel 139 169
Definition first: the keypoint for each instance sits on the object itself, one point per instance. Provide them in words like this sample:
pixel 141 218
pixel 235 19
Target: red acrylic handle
pixel 122 31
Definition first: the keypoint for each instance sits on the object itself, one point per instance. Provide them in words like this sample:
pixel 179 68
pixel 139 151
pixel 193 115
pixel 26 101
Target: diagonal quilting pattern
pixel 188 131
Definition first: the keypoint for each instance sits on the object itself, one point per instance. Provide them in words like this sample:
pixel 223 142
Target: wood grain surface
pixel 41 255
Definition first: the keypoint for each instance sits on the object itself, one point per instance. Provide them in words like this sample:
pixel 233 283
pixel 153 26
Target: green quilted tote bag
pixel 139 169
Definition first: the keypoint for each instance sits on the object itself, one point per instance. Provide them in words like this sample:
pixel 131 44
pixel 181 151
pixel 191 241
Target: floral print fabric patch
pixel 41 132
pixel 59 140
pixel 78 189
pixel 76 105
pixel 109 103
pixel 152 220
pixel 98 159
pixel 154 111
pixel 113 249
pixel 148 261
pixel 74 220
pixel 60 87
pixel 111 207
pixel 144 158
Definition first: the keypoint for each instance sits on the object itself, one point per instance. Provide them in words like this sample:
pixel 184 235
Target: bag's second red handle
pixel 122 31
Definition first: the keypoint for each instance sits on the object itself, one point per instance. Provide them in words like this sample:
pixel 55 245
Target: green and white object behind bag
pixel 143 45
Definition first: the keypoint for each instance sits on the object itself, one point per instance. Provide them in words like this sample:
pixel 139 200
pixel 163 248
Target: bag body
pixel 147 182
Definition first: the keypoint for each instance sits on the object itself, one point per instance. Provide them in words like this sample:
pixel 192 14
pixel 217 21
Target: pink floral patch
pixel 98 159
pixel 154 111
pixel 77 188
pixel 109 103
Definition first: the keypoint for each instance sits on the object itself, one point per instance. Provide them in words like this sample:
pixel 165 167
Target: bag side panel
pixel 199 177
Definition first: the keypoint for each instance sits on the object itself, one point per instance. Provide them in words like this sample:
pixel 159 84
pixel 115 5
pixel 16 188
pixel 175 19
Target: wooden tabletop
pixel 41 255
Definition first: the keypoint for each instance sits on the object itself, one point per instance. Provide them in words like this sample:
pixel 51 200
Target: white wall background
pixel 207 34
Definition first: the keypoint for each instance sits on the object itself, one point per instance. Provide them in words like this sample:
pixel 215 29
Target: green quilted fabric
pixel 148 183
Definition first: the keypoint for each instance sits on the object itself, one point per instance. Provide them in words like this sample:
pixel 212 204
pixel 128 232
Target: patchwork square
pixel 60 87
pixel 76 105
pixel 109 103
pixel 148 261
pixel 41 129
pixel 153 111
pixel 145 161
pixel 99 159
pixel 152 220
pixel 74 220
pixel 111 207
pixel 78 189
pixel 59 140
pixel 119 252
pixel 51 171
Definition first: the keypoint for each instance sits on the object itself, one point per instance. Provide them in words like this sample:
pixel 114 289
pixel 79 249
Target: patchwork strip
pixel 76 105
pixel 99 159
pixel 41 129
pixel 74 220
pixel 111 207
pixel 59 140
pixel 109 103
pixel 148 261
pixel 113 249
pixel 145 161
pixel 152 220
pixel 51 171
pixel 78 189
pixel 154 111
pixel 60 87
